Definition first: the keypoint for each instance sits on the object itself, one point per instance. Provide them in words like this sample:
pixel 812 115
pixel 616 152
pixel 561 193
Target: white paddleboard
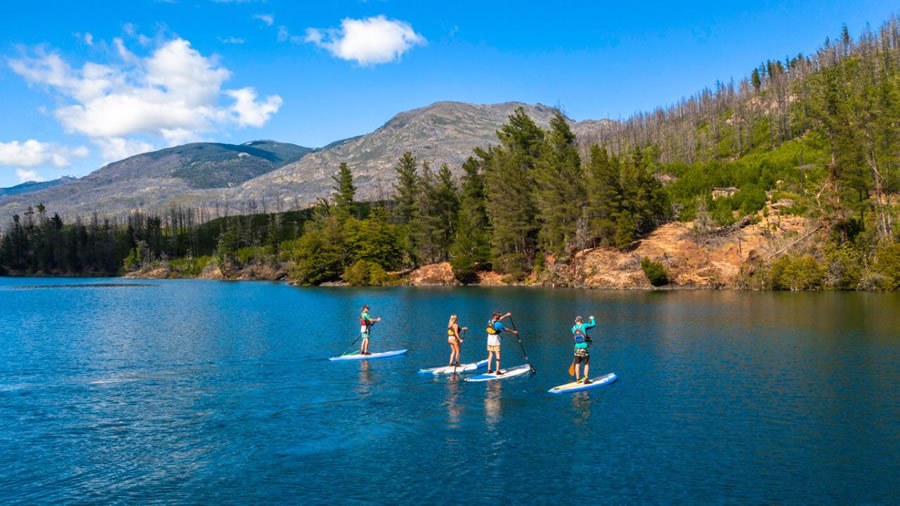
pixel 455 369
pixel 359 356
pixel 578 387
pixel 507 373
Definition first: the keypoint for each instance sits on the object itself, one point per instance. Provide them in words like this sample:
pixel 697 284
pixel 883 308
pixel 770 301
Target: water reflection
pixel 581 406
pixel 492 403
pixel 454 410
pixel 365 378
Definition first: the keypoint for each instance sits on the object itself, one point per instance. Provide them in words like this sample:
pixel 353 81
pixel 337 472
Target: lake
pixel 189 391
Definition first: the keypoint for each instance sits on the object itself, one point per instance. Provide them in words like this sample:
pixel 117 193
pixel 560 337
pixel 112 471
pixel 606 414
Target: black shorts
pixel 582 356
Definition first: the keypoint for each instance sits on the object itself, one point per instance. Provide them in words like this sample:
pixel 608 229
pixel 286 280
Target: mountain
pixel 150 180
pixel 33 186
pixel 443 132
pixel 285 175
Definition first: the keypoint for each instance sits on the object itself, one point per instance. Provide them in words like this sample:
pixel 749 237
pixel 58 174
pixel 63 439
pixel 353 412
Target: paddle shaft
pixel 368 329
pixel 513 322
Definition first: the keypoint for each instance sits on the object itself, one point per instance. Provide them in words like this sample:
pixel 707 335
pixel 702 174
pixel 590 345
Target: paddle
pixel 572 368
pixel 521 345
pixel 369 326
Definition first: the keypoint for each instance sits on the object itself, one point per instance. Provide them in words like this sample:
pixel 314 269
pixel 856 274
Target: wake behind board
pixel 578 387
pixel 457 369
pixel 507 373
pixel 359 356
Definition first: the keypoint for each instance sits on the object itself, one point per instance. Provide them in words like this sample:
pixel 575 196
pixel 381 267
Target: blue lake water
pixel 218 392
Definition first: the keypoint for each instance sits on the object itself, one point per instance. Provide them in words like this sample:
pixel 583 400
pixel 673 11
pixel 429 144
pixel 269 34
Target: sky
pixel 87 83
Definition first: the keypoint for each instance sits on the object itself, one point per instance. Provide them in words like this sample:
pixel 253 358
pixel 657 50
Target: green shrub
pixel 365 273
pixel 796 274
pixel 887 264
pixel 191 267
pixel 464 269
pixel 843 267
pixel 722 212
pixel 132 261
pixel 624 230
pixel 655 272
pixel 749 200
pixel 515 265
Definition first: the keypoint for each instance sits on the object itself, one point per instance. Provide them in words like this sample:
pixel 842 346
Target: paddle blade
pixel 572 369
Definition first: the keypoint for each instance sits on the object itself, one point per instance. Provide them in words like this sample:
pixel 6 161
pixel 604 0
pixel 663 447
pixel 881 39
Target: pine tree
pixel 471 248
pixel 604 195
pixel 426 222
pixel 624 230
pixel 559 192
pixel 509 179
pixel 344 191
pixel 754 78
pixel 406 188
pixel 448 211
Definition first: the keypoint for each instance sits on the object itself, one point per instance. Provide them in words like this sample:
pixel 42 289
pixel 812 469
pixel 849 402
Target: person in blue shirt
pixel 582 344
pixel 494 329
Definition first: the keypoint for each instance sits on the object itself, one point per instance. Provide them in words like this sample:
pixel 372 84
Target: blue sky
pixel 87 83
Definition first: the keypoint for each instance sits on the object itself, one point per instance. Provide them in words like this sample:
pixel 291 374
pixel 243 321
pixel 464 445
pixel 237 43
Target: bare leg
pixel 454 352
pixel 587 368
pixel 577 371
pixel 498 361
pixel 364 348
pixel 490 359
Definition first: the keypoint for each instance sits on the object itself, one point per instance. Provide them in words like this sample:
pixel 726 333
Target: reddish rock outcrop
pixel 692 260
pixel 433 275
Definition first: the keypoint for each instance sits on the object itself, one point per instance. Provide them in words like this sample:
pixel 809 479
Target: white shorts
pixel 493 339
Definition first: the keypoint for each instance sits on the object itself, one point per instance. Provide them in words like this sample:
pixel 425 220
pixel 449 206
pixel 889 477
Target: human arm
pixel 590 325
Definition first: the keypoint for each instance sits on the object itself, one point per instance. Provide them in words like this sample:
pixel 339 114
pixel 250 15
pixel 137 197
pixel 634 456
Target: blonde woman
pixel 454 339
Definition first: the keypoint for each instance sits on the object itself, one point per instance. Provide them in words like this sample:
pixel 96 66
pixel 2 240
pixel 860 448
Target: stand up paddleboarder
pixel 365 329
pixel 454 338
pixel 582 344
pixel 494 329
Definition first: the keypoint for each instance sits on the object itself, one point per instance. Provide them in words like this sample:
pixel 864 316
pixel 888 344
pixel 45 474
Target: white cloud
pixel 116 148
pixel 367 41
pixel 248 111
pixel 268 19
pixel 284 35
pixel 28 175
pixel 174 93
pixel 89 39
pixel 33 153
pixel 231 40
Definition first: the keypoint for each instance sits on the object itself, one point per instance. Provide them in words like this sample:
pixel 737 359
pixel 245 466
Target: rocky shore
pixel 716 259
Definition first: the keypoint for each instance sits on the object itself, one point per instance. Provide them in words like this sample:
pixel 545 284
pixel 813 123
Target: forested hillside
pixel 815 137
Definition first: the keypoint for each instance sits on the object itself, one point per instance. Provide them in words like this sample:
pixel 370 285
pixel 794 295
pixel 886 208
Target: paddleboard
pixel 450 369
pixel 358 356
pixel 507 373
pixel 599 381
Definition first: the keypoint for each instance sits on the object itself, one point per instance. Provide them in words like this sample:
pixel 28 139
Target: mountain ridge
pixel 441 132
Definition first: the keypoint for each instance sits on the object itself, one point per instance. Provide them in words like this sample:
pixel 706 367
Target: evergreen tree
pixel 604 195
pixel 509 180
pixel 624 230
pixel 427 221
pixel 406 188
pixel 447 210
pixel 558 186
pixel 344 191
pixel 471 249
